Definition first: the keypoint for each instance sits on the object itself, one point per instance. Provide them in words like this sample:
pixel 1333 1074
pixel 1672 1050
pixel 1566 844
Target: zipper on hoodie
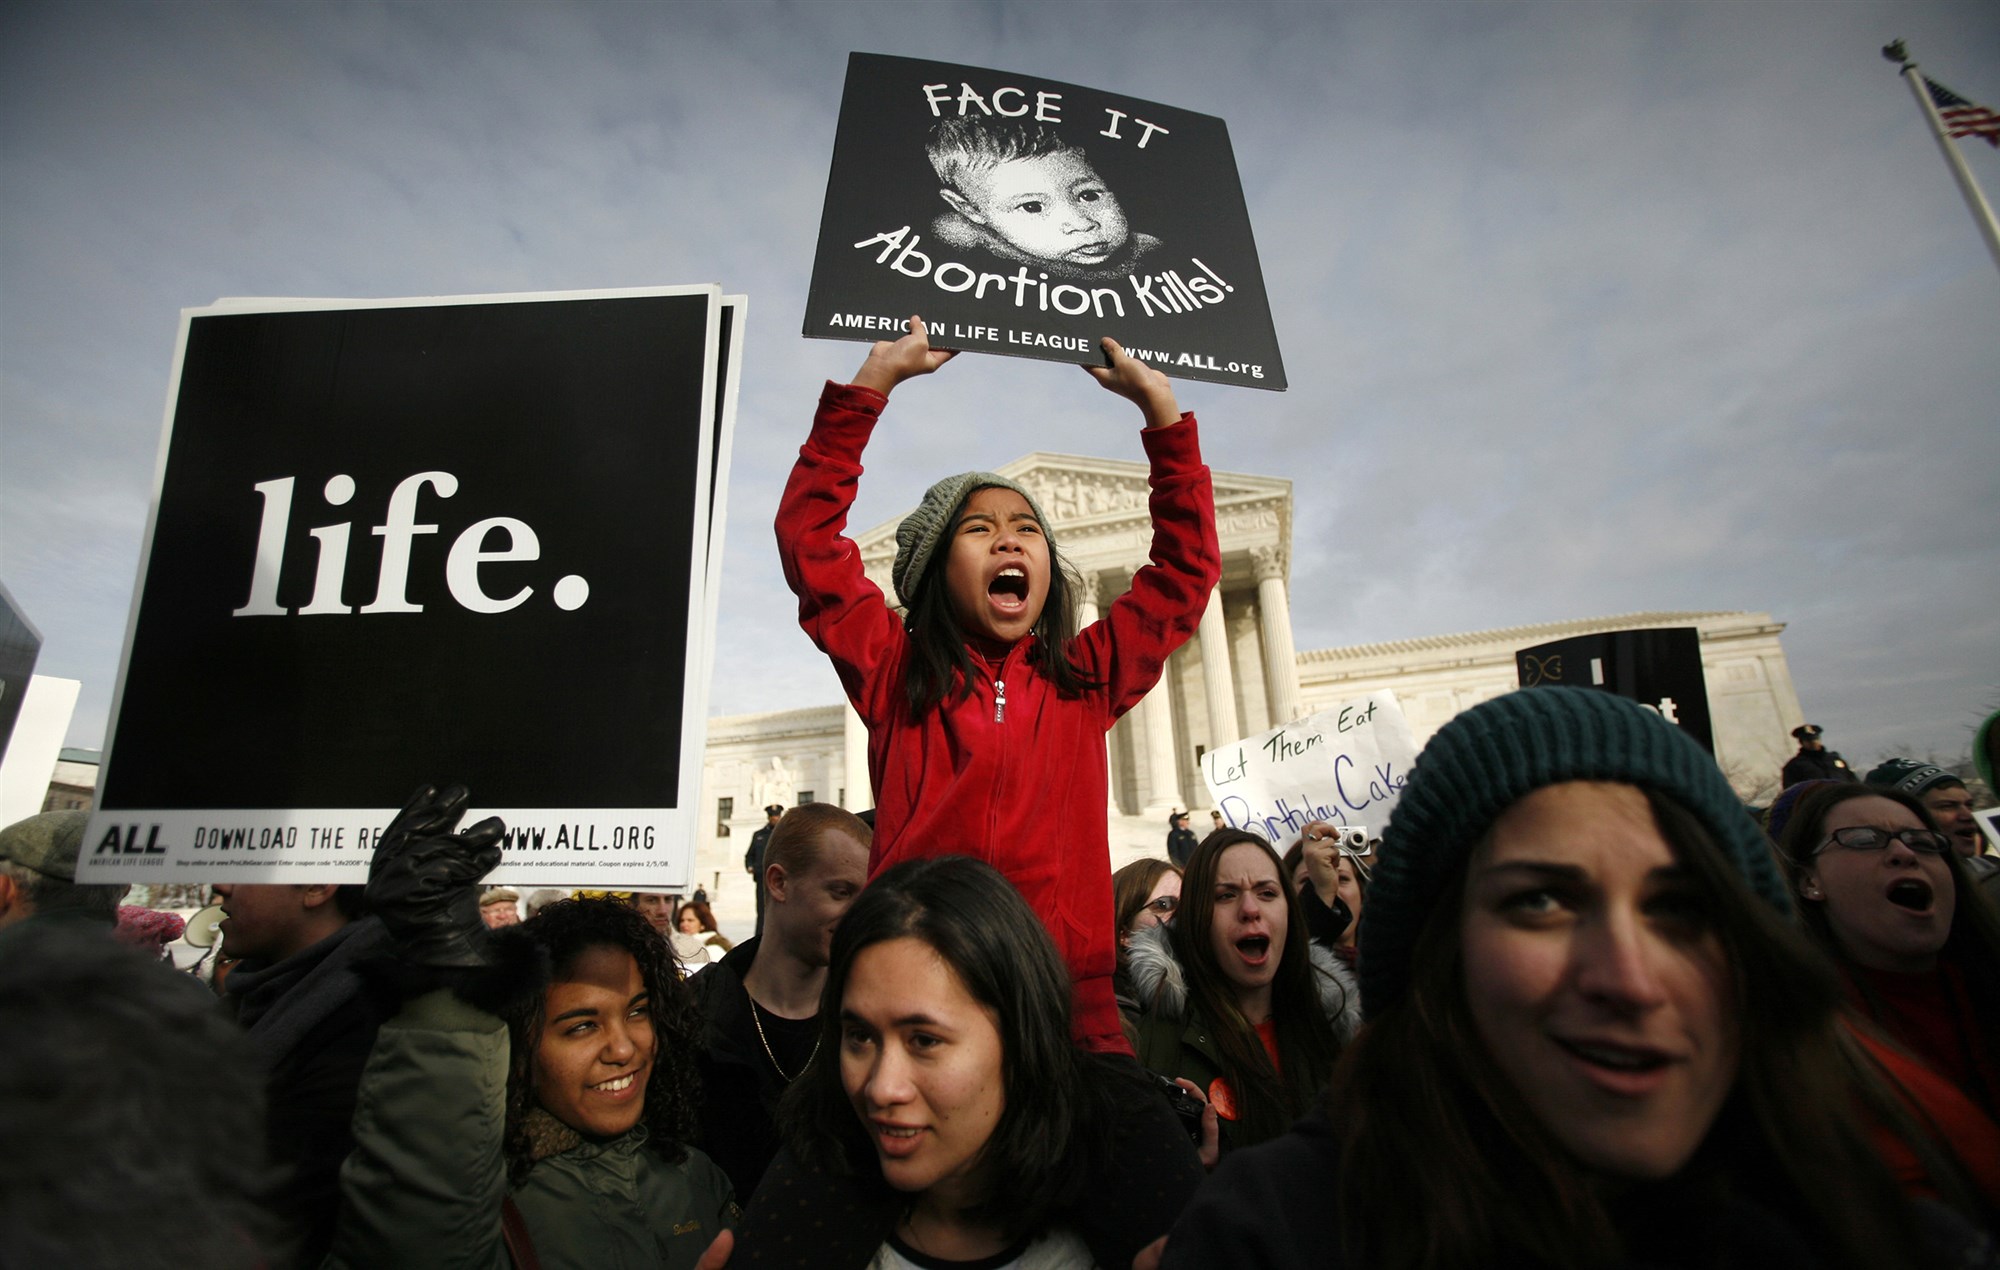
pixel 1000 763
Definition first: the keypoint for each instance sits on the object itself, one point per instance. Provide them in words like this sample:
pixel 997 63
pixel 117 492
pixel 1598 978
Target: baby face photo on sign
pixel 1020 192
pixel 1032 218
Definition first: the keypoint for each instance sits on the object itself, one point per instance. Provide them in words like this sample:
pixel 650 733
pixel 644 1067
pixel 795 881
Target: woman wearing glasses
pixel 1143 895
pixel 1883 892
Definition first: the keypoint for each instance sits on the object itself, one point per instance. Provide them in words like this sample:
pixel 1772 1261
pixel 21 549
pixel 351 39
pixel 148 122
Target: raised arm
pixel 425 1181
pixel 1130 646
pixel 890 362
pixel 1138 383
pixel 839 608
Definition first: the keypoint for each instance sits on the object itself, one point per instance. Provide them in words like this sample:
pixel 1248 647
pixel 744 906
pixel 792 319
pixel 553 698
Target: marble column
pixel 1281 663
pixel 1086 613
pixel 1156 713
pixel 1217 681
pixel 1086 599
pixel 854 747
pixel 1246 649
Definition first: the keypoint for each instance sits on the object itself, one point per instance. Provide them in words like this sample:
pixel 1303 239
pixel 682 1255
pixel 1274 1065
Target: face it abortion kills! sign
pixel 1029 217
pixel 1345 765
pixel 400 542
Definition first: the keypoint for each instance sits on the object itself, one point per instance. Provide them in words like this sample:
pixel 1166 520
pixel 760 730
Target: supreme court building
pixel 1239 675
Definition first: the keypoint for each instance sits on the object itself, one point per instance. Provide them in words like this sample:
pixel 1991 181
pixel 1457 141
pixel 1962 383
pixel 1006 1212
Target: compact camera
pixel 1185 1105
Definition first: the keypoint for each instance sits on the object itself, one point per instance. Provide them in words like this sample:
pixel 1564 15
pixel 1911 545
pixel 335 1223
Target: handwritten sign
pixel 1346 765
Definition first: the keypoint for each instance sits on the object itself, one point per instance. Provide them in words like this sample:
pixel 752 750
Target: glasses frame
pixel 1921 841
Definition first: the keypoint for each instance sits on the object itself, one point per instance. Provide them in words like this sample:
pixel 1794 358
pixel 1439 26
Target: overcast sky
pixel 1587 308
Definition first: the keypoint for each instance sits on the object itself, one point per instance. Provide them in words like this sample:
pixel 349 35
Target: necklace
pixel 756 1017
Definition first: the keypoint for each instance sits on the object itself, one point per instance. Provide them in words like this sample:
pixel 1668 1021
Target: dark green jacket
pixel 424 1185
pixel 1172 1038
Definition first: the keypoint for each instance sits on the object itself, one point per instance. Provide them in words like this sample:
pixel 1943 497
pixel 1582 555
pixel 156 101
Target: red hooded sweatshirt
pixel 1023 789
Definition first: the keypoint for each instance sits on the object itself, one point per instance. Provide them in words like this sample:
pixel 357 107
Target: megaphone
pixel 204 928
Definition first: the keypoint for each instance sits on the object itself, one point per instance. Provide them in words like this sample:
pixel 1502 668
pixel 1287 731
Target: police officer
pixel 753 859
pixel 1814 762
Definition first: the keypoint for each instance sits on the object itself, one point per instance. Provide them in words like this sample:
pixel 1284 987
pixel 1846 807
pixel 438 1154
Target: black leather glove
pixel 424 880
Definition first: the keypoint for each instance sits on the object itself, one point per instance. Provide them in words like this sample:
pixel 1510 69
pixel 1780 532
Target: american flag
pixel 1963 118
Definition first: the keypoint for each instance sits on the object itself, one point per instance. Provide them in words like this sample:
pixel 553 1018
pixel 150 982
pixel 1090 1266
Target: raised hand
pixel 891 362
pixel 424 879
pixel 1321 842
pixel 1138 383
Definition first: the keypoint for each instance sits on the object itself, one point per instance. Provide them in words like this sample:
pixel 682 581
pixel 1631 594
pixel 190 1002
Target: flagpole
pixel 1975 200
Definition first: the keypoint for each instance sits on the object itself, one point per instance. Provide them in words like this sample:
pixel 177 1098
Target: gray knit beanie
pixel 48 844
pixel 1496 753
pixel 917 537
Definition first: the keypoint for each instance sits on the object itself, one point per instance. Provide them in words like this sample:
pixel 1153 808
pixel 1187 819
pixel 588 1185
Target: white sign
pixel 1989 823
pixel 1345 765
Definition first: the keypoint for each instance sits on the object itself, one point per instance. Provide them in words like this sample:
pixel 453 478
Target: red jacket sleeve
pixel 1129 647
pixel 843 612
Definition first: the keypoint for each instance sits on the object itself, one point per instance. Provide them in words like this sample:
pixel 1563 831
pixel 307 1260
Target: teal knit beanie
pixel 1496 753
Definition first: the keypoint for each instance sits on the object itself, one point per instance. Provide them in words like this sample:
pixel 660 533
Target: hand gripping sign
pixel 411 541
pixel 1345 765
pixel 1029 217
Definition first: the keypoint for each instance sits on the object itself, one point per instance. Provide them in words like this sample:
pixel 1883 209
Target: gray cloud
pixel 1587 310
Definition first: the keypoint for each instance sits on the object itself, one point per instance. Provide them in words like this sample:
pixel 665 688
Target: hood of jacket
pixel 1160 983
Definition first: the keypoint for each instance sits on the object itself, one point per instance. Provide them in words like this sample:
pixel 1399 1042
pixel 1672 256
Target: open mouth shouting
pixel 997 569
pixel 1008 591
pixel 1888 908
pixel 1248 924
pixel 1255 950
pixel 1913 894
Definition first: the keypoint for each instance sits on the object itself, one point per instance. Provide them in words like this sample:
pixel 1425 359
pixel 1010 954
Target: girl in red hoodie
pixel 986 717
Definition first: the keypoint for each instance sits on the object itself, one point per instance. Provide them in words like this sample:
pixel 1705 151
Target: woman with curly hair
pixel 537 1109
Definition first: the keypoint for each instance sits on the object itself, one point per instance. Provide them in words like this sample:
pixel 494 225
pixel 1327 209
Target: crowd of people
pixel 1578 1005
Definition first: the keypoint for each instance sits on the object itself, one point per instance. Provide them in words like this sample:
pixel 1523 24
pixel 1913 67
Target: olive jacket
pixel 427 1178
